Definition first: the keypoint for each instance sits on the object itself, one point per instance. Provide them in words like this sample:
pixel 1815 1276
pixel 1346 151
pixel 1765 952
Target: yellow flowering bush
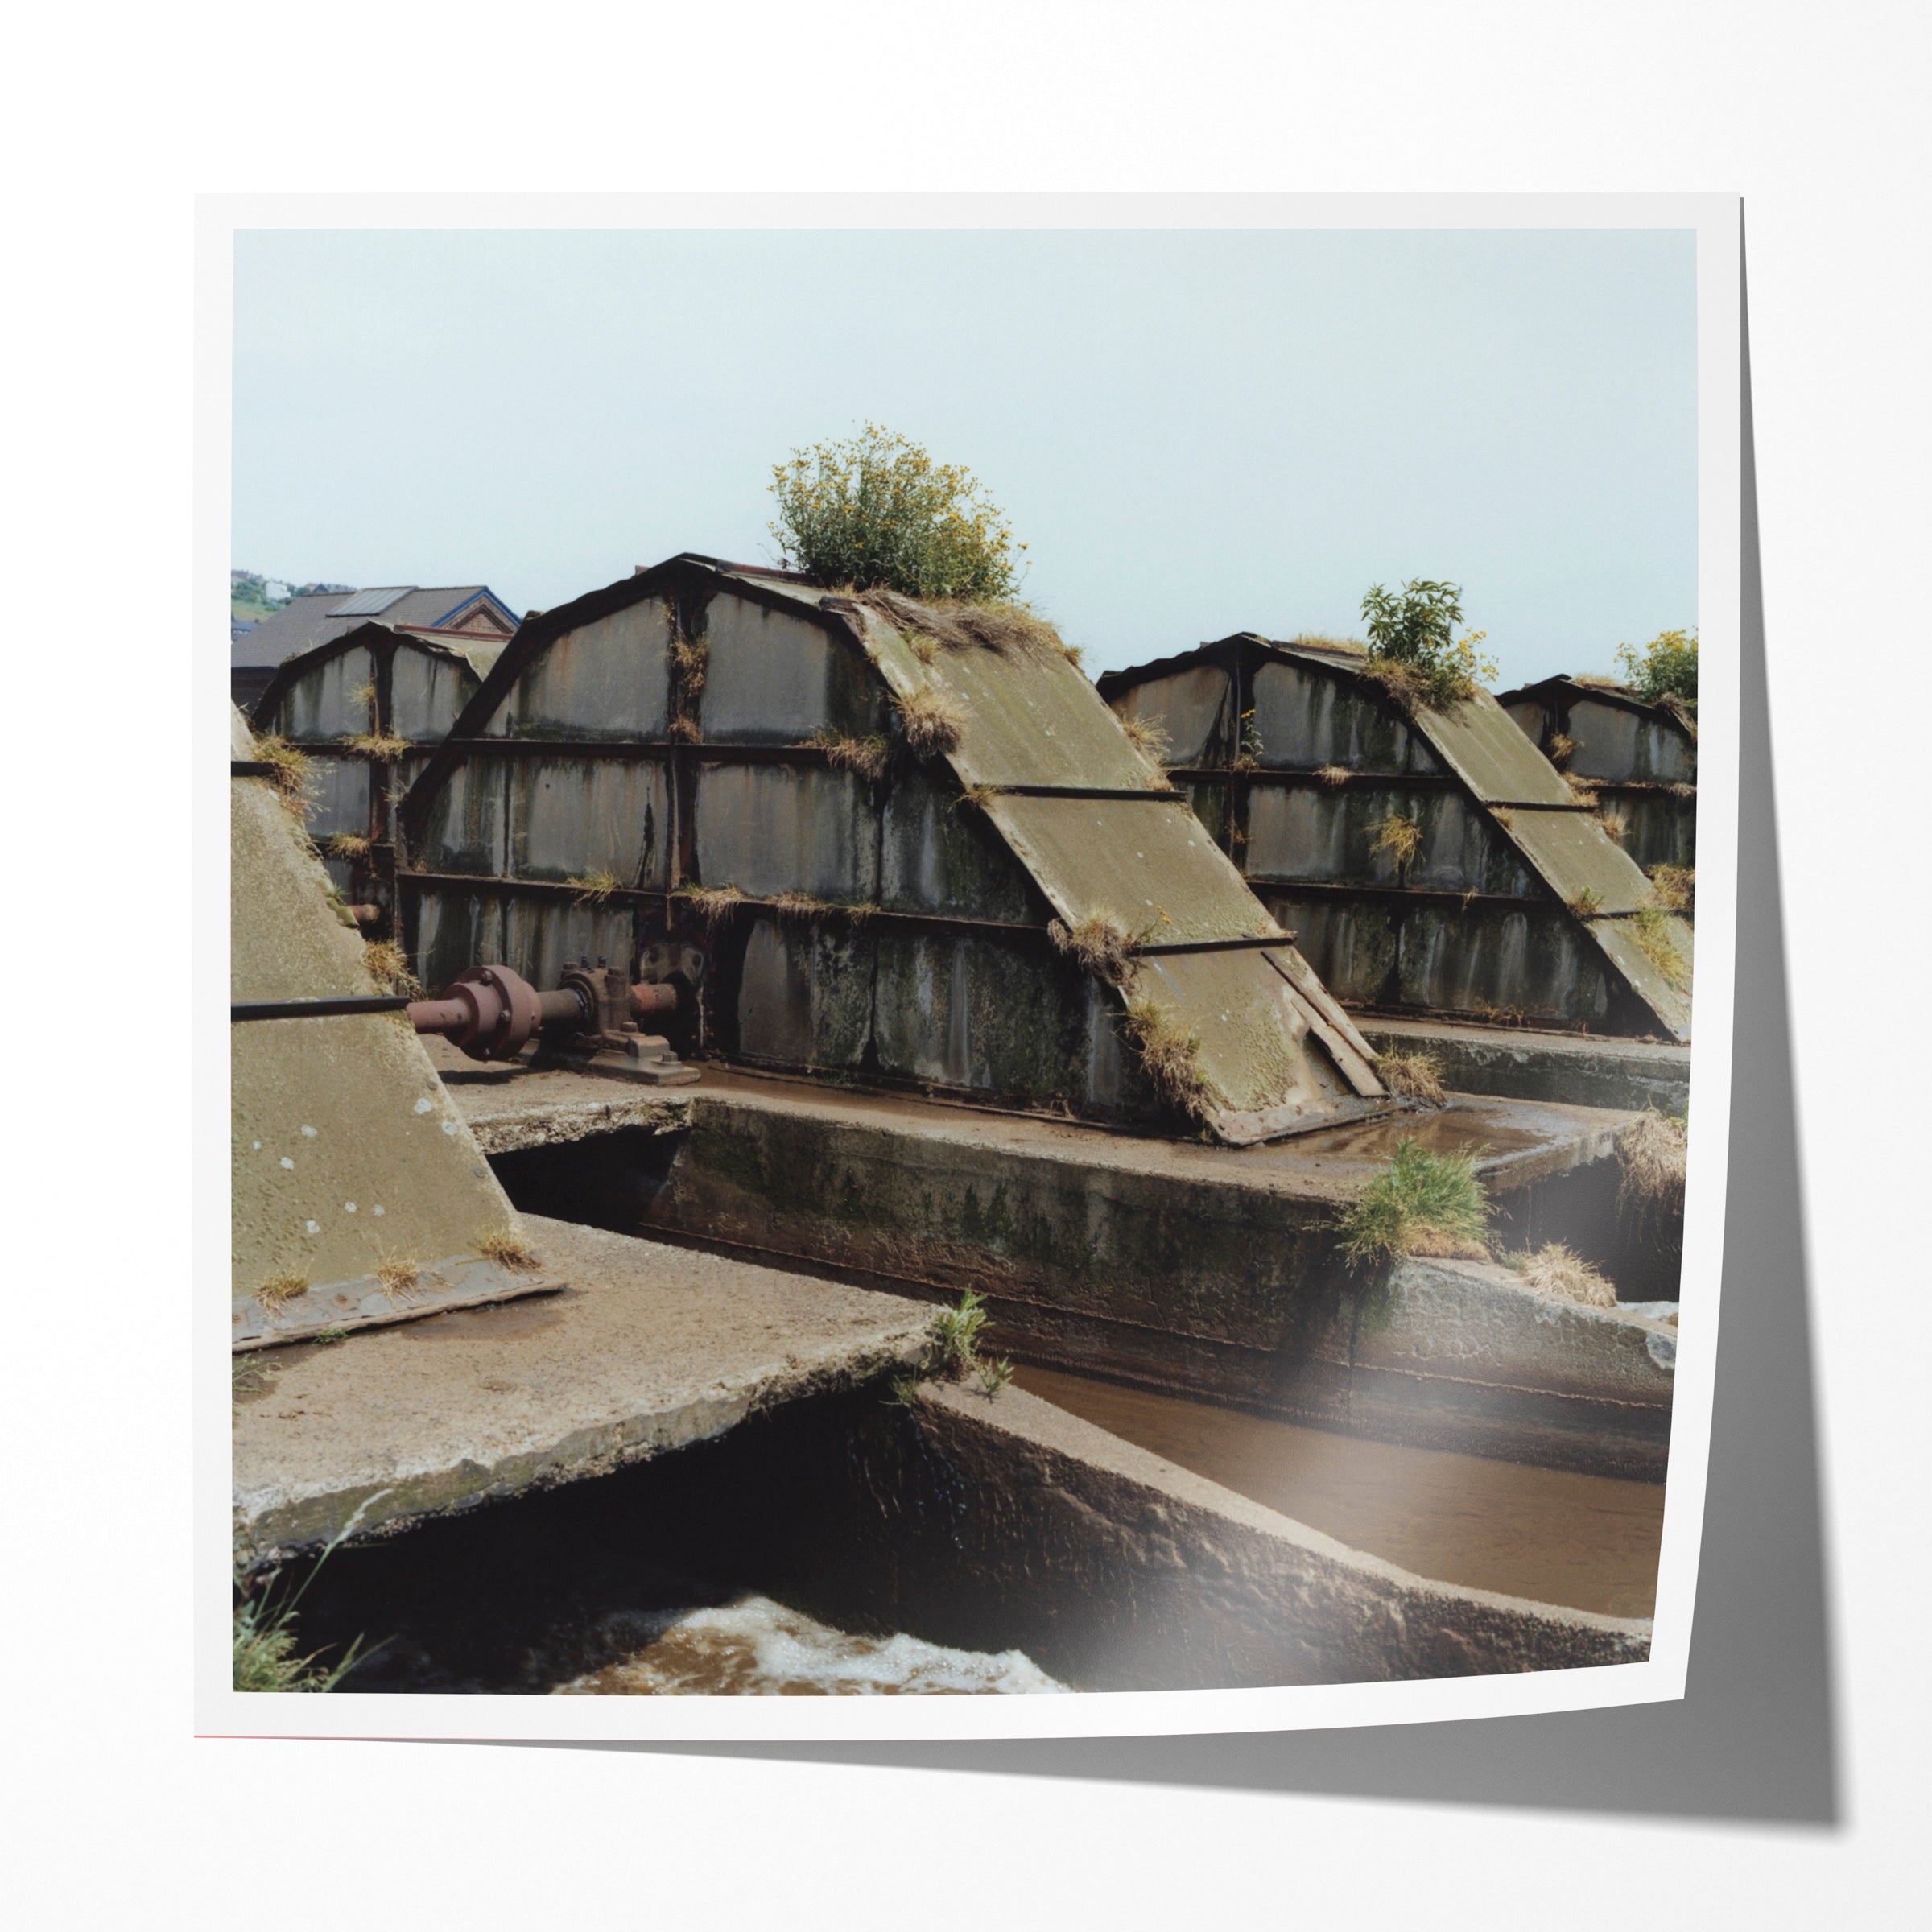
pixel 875 512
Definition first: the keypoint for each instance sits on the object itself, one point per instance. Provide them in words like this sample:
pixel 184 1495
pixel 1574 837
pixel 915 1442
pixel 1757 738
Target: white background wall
pixel 119 115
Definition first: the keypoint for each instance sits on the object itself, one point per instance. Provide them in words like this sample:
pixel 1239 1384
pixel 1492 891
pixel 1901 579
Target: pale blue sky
pixel 1196 432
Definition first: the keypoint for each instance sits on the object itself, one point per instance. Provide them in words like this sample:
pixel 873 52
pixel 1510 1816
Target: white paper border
pixel 221 1712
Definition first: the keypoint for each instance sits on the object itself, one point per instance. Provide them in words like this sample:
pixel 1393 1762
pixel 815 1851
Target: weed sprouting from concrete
pixel 1420 1203
pixel 684 729
pixel 996 623
pixel 508 1250
pixel 1561 749
pixel 293 771
pixel 1414 1077
pixel 994 1375
pixel 1147 738
pixel 594 888
pixel 1557 1271
pixel 1169 1055
pixel 713 904
pixel 265 1639
pixel 1653 1156
pixel 1400 837
pixel 346 845
pixel 904 1390
pixel 251 1374
pixel 1332 775
pixel 979 797
pixel 1321 640
pixel 1676 888
pixel 1650 927
pixel 867 757
pixel 930 722
pixel 1099 942
pixel 400 1278
pixel 956 1337
pixel 364 694
pixel 388 965
pixel 1586 904
pixel 1583 794
pixel 280 1289
pixel 691 660
pixel 377 744
pixel 326 1338
pixel 799 905
pixel 1615 826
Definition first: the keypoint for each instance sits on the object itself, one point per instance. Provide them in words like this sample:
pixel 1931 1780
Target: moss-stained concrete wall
pixel 347 1152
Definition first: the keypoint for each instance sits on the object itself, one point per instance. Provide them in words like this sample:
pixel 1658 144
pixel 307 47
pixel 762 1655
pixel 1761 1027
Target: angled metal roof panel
pixel 1152 868
pixel 369 603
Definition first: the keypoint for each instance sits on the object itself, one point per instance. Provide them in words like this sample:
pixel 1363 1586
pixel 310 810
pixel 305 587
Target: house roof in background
pixel 306 622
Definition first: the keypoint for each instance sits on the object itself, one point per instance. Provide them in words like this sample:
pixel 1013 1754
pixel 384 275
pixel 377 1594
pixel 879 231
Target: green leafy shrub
pixel 1665 668
pixel 1414 653
pixel 875 512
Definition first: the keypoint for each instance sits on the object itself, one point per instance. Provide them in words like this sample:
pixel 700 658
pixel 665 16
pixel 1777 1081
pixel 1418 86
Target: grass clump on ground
pixel 1420 1203
pixel 1099 942
pixel 1169 1055
pixel 867 756
pixel 1558 1272
pixel 713 904
pixel 930 722
pixel 595 887
pixel 388 965
pixel 508 1250
pixel 1414 1077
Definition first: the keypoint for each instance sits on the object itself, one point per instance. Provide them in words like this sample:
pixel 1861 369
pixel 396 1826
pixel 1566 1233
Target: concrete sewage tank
pixel 1640 758
pixel 1431 862
pixel 879 842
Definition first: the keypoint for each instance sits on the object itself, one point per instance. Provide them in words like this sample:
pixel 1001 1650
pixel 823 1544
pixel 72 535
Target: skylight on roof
pixel 367 603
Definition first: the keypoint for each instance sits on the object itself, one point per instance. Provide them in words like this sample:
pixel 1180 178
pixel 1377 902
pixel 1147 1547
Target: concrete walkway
pixel 648 1348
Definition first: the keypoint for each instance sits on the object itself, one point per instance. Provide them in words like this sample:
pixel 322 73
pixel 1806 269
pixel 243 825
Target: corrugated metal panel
pixel 610 680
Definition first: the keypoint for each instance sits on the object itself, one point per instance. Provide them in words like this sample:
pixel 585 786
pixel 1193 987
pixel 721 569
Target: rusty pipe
pixel 492 1013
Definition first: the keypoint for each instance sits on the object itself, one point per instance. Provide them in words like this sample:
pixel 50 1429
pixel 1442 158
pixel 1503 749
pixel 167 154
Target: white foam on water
pixel 757 1648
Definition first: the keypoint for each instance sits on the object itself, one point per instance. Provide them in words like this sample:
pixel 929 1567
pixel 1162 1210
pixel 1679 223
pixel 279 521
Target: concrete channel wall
pixel 1200 1272
pixel 990 1524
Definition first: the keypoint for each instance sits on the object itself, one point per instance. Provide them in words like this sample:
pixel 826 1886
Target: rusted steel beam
pixel 1132 795
pixel 314 1009
pixel 1349 888
pixel 1311 774
pixel 1247 943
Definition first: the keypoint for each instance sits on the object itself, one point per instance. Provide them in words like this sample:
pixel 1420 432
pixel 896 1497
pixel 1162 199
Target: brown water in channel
pixel 1589 1543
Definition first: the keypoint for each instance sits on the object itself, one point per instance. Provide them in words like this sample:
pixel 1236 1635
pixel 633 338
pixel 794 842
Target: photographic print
pixel 963 947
